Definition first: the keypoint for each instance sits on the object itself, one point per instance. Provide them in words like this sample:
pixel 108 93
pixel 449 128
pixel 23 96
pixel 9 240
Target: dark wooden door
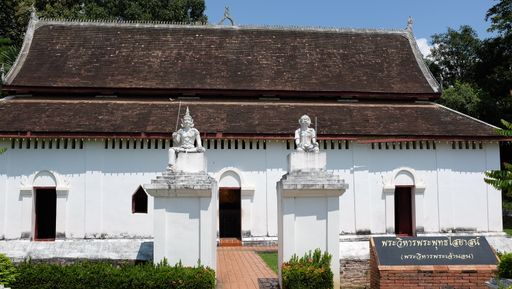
pixel 403 211
pixel 230 218
pixel 46 213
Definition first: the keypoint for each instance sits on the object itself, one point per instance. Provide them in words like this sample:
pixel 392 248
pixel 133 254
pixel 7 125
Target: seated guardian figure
pixel 184 139
pixel 305 137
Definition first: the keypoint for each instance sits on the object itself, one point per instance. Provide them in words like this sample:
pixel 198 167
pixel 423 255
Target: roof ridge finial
pixel 410 22
pixel 227 16
pixel 33 13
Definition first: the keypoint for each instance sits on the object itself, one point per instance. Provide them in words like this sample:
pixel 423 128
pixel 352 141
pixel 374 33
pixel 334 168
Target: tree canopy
pixel 477 74
pixel 455 54
pixel 464 97
pixel 501 17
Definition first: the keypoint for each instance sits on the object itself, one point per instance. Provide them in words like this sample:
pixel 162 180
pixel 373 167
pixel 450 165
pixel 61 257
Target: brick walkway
pixel 242 268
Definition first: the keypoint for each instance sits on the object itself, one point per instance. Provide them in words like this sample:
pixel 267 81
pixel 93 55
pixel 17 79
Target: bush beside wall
pixel 102 275
pixel 313 271
pixel 8 272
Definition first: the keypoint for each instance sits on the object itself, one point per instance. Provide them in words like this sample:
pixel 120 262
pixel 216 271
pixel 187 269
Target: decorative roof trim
pixel 27 42
pixel 419 58
pixel 199 25
pixel 465 115
pixel 362 139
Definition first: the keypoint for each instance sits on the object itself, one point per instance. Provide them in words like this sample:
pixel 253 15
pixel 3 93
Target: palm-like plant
pixel 8 56
pixel 502 179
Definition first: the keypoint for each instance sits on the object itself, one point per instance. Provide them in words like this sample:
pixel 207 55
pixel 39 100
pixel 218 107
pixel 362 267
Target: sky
pixel 430 17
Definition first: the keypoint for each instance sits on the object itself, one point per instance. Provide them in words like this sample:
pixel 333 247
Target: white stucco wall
pixel 98 184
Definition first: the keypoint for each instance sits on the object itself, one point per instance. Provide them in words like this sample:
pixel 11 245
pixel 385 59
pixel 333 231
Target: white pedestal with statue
pixel 185 200
pixel 308 204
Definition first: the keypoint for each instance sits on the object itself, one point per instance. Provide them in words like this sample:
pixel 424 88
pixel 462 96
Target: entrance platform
pixel 230 242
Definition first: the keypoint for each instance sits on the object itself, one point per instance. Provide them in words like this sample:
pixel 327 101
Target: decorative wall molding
pixel 403 176
pixel 44 178
pixel 247 189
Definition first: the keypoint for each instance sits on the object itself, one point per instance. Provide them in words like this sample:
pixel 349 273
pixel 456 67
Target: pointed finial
pixel 33 14
pixel 187 119
pixel 227 16
pixel 410 21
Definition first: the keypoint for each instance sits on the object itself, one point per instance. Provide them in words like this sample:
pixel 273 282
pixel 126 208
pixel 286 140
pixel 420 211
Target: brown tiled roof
pixel 236 119
pixel 114 56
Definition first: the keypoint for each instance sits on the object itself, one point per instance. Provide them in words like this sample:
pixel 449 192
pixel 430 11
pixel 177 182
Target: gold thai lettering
pixel 435 243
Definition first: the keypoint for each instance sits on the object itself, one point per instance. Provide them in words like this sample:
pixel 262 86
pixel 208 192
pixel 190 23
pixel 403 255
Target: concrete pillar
pixel 308 210
pixel 185 218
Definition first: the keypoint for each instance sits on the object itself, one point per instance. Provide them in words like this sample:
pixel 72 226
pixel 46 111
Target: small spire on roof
pixel 33 14
pixel 227 16
pixel 410 21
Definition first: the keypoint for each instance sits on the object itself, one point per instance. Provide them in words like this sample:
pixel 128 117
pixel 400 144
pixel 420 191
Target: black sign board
pixel 452 250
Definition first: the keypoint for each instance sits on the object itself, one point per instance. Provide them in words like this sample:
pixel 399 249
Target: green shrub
pixel 505 266
pixel 102 275
pixel 311 271
pixel 8 272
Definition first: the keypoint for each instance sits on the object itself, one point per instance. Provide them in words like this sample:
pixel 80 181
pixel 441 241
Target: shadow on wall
pixel 93 160
pixel 443 158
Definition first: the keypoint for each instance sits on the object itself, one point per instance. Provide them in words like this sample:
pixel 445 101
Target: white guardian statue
pixel 186 139
pixel 305 137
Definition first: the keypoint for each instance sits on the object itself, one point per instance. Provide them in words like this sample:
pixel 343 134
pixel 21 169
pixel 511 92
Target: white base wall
pixel 95 185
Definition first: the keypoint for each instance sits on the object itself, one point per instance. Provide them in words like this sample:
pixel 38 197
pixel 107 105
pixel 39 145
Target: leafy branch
pixel 502 179
pixel 508 128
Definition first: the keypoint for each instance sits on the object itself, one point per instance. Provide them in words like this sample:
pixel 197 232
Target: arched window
pixel 140 201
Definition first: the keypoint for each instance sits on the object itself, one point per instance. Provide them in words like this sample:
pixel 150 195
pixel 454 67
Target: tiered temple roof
pixel 111 79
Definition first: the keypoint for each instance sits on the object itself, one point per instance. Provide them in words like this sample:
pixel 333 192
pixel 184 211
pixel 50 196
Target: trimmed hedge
pixel 102 275
pixel 8 272
pixel 505 266
pixel 313 271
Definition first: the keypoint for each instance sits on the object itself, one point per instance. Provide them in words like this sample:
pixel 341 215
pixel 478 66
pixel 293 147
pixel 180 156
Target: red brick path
pixel 242 268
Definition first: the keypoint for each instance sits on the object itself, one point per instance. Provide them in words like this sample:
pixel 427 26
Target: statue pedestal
pixel 185 201
pixel 308 210
pixel 299 161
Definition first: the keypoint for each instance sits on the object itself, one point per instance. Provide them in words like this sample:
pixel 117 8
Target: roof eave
pixel 141 91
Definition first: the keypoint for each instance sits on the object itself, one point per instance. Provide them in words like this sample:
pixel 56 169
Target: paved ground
pixel 242 268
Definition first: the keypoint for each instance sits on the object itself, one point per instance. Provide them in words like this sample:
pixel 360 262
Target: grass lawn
pixel 270 259
pixel 508 231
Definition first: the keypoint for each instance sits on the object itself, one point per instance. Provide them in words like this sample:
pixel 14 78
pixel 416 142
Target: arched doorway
pixel 43 200
pixel 403 193
pixel 230 209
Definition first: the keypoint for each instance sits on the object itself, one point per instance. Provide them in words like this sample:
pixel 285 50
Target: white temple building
pixel 92 107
